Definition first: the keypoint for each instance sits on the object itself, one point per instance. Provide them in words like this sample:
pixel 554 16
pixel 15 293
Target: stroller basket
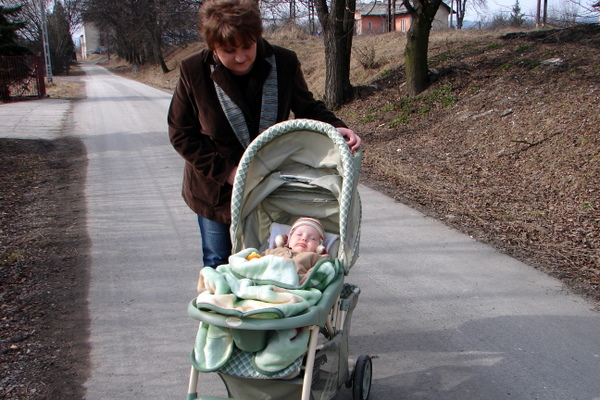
pixel 330 365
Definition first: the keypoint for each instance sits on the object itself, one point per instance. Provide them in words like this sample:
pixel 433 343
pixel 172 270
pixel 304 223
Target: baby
pixel 303 245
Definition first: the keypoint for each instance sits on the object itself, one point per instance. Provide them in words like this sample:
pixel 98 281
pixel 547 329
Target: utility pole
pixel 45 44
pixel 293 11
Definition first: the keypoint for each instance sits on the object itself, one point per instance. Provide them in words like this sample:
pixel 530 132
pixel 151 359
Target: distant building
pixel 89 40
pixel 371 18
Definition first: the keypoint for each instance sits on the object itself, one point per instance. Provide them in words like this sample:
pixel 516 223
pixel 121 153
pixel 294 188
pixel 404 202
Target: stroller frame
pixel 318 161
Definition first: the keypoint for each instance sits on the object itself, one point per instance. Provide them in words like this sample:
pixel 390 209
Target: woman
pixel 240 81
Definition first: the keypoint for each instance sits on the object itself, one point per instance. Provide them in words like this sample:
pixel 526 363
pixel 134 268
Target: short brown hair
pixel 230 22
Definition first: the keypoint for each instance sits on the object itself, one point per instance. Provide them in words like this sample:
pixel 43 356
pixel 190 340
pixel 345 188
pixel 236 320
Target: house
pixel 371 18
pixel 89 40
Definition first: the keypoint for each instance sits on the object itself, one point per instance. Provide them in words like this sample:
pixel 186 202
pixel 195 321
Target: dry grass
pixel 388 53
pixel 67 87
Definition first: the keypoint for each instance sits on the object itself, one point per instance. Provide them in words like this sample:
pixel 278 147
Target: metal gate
pixel 21 78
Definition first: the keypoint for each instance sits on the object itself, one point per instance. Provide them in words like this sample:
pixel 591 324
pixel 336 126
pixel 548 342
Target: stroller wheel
pixel 361 380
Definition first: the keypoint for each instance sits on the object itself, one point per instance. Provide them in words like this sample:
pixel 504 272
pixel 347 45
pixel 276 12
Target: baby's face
pixel 305 238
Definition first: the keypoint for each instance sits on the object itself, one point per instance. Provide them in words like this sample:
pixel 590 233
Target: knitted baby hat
pixel 282 239
pixel 313 222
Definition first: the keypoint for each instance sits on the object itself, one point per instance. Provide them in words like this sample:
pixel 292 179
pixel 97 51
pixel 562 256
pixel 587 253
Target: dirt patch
pixel 44 352
pixel 70 87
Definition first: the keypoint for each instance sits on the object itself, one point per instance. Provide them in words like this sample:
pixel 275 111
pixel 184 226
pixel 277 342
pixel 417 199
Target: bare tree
pixel 586 6
pixel 565 13
pixel 62 19
pixel 461 9
pixel 391 15
pixel 179 21
pixel 568 13
pixel 541 14
pixel 137 29
pixel 337 20
pixel 277 13
pixel 312 18
pixel 62 48
pixel 30 12
pixel 417 43
pixel 118 22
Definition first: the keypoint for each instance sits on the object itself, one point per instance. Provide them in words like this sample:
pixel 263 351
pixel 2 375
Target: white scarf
pixel 268 112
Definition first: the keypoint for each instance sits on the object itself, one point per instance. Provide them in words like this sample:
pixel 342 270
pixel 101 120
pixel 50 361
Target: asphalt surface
pixel 443 316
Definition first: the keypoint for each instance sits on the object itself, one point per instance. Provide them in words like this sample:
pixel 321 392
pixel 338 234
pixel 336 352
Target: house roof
pixel 380 8
pixel 377 9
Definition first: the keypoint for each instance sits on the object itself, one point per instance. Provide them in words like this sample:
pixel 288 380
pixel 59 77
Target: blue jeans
pixel 216 242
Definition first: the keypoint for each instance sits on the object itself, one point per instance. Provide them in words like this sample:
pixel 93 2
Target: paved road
pixel 444 316
pixel 145 245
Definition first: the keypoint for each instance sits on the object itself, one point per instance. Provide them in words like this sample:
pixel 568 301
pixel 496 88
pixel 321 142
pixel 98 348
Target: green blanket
pixel 265 287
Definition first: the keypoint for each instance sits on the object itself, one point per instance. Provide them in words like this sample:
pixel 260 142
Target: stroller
pixel 294 169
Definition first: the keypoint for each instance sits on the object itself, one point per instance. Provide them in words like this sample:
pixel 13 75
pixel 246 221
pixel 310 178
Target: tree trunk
pixel 415 58
pixel 417 45
pixel 163 64
pixel 338 29
pixel 157 51
pixel 460 13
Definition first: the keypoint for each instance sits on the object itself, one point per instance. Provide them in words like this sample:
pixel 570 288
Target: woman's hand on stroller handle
pixel 352 139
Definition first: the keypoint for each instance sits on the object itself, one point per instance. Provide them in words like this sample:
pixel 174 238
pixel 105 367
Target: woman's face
pixel 305 238
pixel 238 59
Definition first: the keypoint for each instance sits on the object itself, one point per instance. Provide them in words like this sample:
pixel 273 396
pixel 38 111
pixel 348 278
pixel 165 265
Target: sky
pixel 528 7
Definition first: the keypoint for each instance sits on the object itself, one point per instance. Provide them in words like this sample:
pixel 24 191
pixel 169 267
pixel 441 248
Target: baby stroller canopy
pixel 298 168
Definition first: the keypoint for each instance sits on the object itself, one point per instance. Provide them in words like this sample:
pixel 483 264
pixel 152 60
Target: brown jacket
pixel 200 131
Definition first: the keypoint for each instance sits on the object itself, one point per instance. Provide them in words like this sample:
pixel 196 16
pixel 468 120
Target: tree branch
pixel 529 144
